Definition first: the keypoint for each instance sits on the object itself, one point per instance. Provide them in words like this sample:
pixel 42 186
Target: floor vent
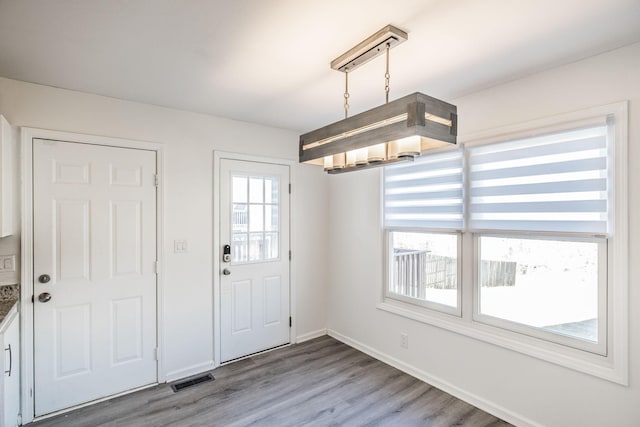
pixel 191 382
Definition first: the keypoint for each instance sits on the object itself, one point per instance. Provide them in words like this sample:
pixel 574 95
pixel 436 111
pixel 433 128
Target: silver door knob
pixel 226 272
pixel 44 297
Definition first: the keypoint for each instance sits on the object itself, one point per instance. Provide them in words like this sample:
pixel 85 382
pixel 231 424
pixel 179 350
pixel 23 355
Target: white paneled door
pixel 94 272
pixel 254 274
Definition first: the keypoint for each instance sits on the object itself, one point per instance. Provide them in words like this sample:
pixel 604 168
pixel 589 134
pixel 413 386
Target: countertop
pixel 9 296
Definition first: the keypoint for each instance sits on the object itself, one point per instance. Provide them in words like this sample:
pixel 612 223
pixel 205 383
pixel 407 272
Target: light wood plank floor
pixel 317 383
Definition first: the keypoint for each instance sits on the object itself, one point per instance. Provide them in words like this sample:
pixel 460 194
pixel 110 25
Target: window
pixel 424 268
pixel 555 186
pixel 535 216
pixel 556 289
pixel 423 217
pixel 255 223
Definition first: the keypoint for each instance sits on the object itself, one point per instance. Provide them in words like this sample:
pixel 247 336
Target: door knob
pixel 44 278
pixel 44 297
pixel 226 272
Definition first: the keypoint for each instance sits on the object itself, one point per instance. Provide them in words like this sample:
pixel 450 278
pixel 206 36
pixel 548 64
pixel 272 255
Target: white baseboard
pixel 189 371
pixel 311 335
pixel 473 399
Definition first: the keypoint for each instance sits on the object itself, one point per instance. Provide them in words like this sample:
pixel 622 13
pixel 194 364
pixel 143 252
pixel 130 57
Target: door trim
pixel 27 135
pixel 217 157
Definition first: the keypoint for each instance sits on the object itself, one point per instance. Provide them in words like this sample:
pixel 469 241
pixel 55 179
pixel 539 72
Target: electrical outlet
pixel 404 340
pixel 7 263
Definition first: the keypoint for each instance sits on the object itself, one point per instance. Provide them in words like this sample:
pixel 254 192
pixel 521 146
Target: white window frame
pixel 432 305
pixel 598 348
pixel 610 363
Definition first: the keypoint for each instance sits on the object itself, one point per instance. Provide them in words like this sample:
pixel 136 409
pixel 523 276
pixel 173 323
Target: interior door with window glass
pixel 254 269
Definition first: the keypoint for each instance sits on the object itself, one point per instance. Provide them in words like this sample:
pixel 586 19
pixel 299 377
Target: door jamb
pixel 217 157
pixel 27 135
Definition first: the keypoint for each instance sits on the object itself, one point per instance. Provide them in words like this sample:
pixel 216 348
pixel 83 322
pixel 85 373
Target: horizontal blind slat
pixel 572 206
pixel 595 143
pixel 421 167
pixel 454 209
pixel 596 164
pixel 587 227
pixel 542 188
pixel 443 225
pixel 557 138
pixel 422 182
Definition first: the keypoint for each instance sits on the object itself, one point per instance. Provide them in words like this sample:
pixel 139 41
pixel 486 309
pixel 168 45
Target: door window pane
pixel 239 218
pixel 239 244
pixel 271 218
pixel 239 189
pixel 425 267
pixel 547 284
pixel 271 246
pixel 271 190
pixel 256 217
pixel 255 247
pixel 256 190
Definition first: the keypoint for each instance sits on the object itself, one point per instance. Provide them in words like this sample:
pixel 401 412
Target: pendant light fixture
pixel 395 131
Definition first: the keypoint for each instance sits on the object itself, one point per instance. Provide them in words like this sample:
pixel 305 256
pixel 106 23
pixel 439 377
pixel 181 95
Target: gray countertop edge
pixel 7 311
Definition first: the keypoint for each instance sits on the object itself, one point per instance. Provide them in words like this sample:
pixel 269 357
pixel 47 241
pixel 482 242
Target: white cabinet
pixel 10 383
pixel 7 142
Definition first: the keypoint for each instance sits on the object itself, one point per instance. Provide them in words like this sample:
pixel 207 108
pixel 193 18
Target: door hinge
pixel 33 299
pixel 156 180
pixel 155 354
pixel 156 267
pixel 289 188
pixel 290 321
pixel 289 255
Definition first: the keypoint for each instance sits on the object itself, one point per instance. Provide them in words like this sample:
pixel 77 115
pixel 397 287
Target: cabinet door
pixel 12 374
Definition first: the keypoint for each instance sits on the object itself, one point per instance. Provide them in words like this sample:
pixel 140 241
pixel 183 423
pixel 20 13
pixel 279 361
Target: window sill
pixel 581 361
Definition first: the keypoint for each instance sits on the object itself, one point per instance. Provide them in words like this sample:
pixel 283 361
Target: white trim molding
pixel 310 336
pixel 27 135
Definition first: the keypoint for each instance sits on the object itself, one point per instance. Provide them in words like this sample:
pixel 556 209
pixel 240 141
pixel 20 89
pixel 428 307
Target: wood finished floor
pixel 322 382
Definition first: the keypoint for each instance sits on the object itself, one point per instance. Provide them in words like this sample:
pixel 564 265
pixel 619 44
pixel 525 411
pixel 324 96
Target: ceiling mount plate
pixel 368 49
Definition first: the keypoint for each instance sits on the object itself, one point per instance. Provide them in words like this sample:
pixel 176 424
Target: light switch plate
pixel 7 263
pixel 180 246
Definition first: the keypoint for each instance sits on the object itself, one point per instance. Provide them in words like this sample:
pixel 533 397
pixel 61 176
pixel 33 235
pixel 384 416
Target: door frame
pixel 27 135
pixel 218 156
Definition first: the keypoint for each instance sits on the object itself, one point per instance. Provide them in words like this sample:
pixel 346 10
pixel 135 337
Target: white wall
pixel 190 139
pixel 531 390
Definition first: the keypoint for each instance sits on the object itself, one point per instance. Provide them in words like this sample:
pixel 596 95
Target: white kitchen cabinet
pixel 7 142
pixel 10 383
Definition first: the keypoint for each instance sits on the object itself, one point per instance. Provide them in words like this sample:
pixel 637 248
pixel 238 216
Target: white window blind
pixel 550 183
pixel 427 193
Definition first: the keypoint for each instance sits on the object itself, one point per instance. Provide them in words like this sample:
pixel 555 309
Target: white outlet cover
pixel 404 340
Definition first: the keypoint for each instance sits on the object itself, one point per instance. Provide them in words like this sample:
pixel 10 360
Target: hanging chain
pixel 387 76
pixel 346 93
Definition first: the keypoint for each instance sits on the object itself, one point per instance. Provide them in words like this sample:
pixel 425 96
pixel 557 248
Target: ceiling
pixel 267 61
